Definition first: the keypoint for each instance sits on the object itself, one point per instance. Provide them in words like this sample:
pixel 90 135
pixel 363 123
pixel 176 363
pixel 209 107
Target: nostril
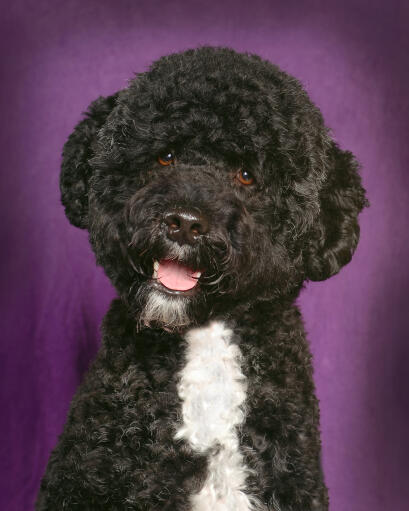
pixel 196 229
pixel 172 221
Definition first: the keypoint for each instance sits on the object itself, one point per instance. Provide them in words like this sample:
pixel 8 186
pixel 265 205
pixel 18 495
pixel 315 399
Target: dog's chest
pixel 212 388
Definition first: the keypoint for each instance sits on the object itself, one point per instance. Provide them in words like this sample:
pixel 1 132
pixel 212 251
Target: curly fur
pixel 132 438
pixel 213 391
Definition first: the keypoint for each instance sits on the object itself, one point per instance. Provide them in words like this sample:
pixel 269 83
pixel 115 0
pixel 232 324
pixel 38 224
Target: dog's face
pixel 210 182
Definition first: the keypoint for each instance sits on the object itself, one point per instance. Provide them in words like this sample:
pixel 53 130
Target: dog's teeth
pixel 198 274
pixel 155 269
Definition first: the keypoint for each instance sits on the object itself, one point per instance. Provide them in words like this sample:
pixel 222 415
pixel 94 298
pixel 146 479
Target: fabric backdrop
pixel 352 57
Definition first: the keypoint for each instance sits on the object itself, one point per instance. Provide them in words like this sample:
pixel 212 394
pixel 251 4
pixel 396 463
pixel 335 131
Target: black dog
pixel 211 191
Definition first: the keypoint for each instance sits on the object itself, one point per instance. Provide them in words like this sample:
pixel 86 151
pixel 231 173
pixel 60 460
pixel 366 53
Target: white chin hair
pixel 171 312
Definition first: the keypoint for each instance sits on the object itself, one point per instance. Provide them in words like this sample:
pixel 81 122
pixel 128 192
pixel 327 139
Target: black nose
pixel 185 225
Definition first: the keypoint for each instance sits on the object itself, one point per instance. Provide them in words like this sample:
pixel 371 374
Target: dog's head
pixel 211 181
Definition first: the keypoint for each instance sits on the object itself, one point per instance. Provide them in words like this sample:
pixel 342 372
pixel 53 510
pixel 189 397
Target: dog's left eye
pixel 166 159
pixel 245 177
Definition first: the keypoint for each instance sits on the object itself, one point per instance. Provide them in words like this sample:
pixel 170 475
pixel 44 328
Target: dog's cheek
pixel 270 268
pixel 107 235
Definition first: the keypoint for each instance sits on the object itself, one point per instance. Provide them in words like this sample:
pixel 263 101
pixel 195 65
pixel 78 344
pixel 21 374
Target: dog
pixel 212 191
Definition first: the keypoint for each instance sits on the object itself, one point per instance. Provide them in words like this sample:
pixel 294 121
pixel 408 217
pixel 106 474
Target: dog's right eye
pixel 166 159
pixel 244 177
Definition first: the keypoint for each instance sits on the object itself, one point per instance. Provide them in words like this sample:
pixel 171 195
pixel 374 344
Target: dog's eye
pixel 166 159
pixel 245 177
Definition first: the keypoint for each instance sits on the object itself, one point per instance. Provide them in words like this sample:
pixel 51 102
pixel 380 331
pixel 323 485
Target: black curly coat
pixel 251 156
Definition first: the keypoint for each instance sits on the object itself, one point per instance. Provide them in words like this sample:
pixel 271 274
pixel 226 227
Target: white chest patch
pixel 213 390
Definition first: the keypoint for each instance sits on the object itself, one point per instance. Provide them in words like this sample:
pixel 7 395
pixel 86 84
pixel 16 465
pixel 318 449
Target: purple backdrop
pixel 352 57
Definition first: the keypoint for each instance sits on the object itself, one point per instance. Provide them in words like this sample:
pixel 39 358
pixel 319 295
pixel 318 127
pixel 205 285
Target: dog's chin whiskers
pixel 168 312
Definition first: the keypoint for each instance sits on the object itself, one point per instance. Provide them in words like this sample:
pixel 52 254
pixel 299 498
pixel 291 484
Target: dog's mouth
pixel 175 276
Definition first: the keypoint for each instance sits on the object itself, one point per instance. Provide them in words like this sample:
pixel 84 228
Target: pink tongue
pixel 174 275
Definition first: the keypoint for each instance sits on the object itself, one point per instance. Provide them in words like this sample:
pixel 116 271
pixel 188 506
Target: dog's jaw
pixel 165 310
pixel 165 298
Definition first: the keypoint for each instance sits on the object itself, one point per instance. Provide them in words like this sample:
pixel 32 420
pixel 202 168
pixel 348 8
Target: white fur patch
pixel 166 310
pixel 213 390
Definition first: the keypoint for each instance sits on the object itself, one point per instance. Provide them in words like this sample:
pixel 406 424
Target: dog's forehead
pixel 215 105
pixel 220 79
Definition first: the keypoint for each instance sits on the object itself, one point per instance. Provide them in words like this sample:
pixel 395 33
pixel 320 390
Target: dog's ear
pixel 75 169
pixel 335 234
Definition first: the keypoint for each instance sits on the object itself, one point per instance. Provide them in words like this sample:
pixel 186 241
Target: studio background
pixel 352 57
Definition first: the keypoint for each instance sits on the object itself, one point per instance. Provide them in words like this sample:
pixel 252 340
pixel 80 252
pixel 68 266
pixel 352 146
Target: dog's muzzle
pixel 184 226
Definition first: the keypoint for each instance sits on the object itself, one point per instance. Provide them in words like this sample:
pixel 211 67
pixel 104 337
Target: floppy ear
pixel 336 232
pixel 75 169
